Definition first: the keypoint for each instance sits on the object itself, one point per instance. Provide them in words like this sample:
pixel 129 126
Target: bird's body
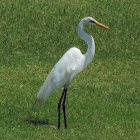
pixel 71 63
pixel 62 73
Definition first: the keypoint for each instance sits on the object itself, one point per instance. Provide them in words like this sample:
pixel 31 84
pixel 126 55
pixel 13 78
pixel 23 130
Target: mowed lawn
pixel 103 101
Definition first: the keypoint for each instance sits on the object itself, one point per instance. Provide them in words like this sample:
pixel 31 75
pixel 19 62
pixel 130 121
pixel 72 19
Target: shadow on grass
pixel 37 122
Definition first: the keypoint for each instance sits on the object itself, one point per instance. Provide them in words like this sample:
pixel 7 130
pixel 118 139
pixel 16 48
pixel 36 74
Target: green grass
pixel 103 101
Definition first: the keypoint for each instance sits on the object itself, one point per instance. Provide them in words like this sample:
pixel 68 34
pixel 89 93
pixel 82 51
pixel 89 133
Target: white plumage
pixel 71 63
pixel 62 73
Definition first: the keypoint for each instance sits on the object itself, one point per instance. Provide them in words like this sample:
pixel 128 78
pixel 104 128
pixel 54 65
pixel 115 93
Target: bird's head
pixel 91 20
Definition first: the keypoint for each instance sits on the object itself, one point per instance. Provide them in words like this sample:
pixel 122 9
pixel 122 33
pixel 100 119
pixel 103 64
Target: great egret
pixel 71 63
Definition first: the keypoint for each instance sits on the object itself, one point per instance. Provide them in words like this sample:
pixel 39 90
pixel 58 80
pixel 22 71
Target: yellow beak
pixel 101 25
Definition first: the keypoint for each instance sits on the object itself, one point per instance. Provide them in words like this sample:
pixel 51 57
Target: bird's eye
pixel 91 21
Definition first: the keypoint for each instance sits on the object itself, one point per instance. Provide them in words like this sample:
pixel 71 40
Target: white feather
pixel 71 63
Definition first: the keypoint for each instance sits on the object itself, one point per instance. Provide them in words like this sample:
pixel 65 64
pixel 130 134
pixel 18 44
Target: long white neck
pixel 89 40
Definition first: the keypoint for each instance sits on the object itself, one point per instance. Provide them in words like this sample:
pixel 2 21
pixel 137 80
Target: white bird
pixel 71 63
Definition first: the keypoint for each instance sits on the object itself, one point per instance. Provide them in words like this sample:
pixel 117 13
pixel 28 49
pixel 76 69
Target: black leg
pixel 59 105
pixel 64 108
